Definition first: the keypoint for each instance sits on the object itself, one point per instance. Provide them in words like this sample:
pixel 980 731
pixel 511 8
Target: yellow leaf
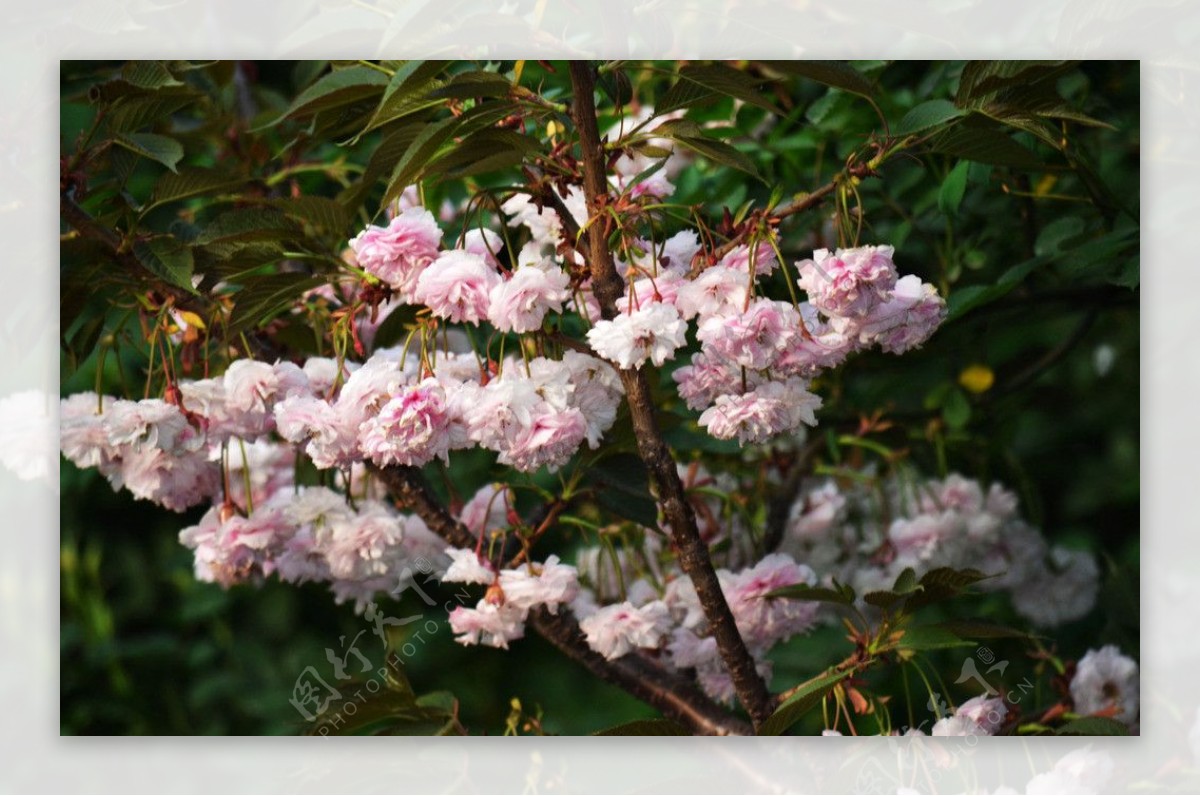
pixel 977 378
pixel 190 318
pixel 1045 185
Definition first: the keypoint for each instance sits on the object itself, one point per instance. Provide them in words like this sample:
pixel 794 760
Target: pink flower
pixel 550 584
pixel 456 286
pixel 485 243
pixel 763 621
pixel 978 716
pixel 329 440
pixel 597 392
pixel 653 332
pixel 487 624
pixel 519 304
pixel 708 377
pixel 763 412
pixel 678 251
pixel 550 440
pixel 850 282
pixel 753 339
pixel 739 258
pixel 906 319
pixel 648 289
pixel 151 423
pixel 720 290
pixel 411 429
pixel 399 252
pixel 82 435
pixel 617 630
pixel 487 510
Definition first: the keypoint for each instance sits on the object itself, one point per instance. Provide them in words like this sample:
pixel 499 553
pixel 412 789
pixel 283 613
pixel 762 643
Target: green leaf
pixel 166 151
pixel 719 152
pixel 136 112
pixel 953 189
pixel 646 727
pixel 805 699
pixel 983 142
pixel 840 594
pixel 188 183
pixel 906 581
pixel 1093 725
pixel 722 80
pixel 262 297
pixel 926 115
pixel 407 93
pixel 168 259
pixel 469 85
pixel 941 584
pixel 981 78
pixel 327 215
pixel 247 224
pixel 616 86
pixel 956 410
pixel 930 637
pixel 835 74
pixel 336 89
pixel 395 326
pixel 975 629
pixel 622 486
pixel 148 75
pixel 1057 233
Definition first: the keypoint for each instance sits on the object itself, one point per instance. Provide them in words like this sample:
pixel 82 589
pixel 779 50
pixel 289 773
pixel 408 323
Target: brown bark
pixel 676 696
pixel 608 287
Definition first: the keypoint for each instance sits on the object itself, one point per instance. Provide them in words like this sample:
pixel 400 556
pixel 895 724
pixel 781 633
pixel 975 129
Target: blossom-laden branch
pixel 677 697
pixel 677 511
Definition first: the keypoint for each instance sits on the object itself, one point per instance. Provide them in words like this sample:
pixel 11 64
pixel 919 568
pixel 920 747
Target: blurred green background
pixel 148 650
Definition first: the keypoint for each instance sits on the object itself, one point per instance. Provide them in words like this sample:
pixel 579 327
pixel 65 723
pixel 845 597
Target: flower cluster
pixel 954 522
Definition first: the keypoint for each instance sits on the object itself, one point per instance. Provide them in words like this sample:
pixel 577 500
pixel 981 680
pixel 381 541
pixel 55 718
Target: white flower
pixel 1106 682
pixel 550 584
pixel 468 567
pixel 653 332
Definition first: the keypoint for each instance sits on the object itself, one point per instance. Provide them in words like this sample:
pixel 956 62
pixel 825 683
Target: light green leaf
pixel 953 189
pixel 926 115
pixel 799 703
pixel 168 259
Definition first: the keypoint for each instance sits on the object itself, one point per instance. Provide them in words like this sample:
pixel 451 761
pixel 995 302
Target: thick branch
pixel 693 553
pixel 676 696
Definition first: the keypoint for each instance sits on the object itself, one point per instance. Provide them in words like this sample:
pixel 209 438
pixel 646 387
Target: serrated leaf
pixel 975 630
pixel 722 80
pixel 984 144
pixel 468 85
pixel 407 93
pixel 327 215
pixel 189 183
pixel 980 78
pixel 719 152
pixel 168 259
pixel 926 115
pixel 134 113
pixel 682 94
pixel 247 224
pixel 484 151
pixel 954 187
pixel 1093 725
pixel 840 594
pixel 646 727
pixel 166 151
pixel 262 297
pixel 148 75
pixel 338 88
pixel 941 584
pixel 921 638
pixel 835 74
pixel 801 702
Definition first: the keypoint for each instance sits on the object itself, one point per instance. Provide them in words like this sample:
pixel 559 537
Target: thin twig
pixel 674 695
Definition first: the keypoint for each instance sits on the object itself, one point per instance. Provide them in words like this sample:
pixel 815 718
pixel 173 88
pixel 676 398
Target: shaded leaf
pixel 835 74
pixel 950 195
pixel 262 297
pixel 246 224
pixel 984 144
pixel 930 637
pixel 722 80
pixel 719 152
pixel 168 259
pixel 622 485
pixel 1093 725
pixel 975 629
pixel 338 88
pixel 148 75
pixel 166 151
pixel 926 115
pixel 799 703
pixel 646 727
pixel 188 183
pixel 841 594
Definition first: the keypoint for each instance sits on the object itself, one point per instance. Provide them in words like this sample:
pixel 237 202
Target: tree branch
pixel 676 696
pixel 693 553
